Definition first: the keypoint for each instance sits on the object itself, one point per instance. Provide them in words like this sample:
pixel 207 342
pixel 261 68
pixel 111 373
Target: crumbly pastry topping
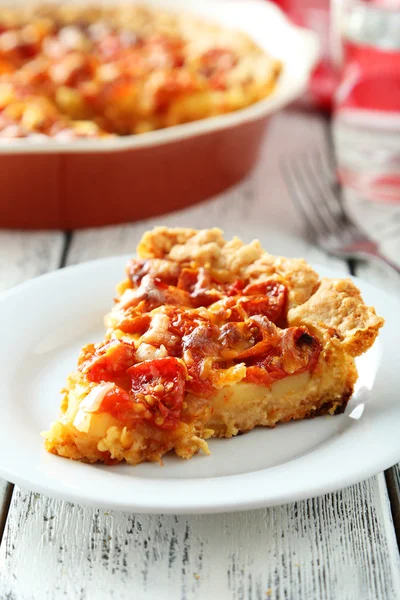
pixel 69 72
pixel 212 337
pixel 233 259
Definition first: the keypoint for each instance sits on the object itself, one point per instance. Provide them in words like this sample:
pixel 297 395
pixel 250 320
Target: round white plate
pixel 44 323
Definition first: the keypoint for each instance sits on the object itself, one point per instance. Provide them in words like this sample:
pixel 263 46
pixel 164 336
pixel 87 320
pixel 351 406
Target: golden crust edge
pixel 338 309
pixel 327 306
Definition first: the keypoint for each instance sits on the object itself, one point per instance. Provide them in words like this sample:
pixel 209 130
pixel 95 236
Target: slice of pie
pixel 210 338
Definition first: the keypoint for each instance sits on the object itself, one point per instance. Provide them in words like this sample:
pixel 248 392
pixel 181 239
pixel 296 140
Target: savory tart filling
pixel 70 72
pixel 210 338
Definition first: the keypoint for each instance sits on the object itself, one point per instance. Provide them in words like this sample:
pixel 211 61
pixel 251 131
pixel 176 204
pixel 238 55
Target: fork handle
pixel 381 258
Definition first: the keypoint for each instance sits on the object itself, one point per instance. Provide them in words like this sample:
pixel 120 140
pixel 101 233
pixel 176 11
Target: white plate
pixel 44 323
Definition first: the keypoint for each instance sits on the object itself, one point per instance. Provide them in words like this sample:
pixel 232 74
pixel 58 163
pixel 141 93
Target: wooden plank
pixel 382 223
pixel 340 546
pixel 392 475
pixel 24 255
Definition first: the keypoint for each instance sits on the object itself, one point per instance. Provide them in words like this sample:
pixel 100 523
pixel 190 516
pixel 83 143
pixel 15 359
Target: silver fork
pixel 317 196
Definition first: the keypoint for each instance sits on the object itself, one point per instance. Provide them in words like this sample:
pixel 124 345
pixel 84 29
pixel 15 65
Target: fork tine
pixel 341 226
pixel 327 172
pixel 313 194
pixel 316 201
pixel 299 196
pixel 322 196
pixel 326 221
pixel 325 180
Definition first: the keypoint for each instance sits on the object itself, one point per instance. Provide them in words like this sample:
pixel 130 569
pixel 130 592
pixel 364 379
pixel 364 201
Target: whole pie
pixel 210 338
pixel 70 72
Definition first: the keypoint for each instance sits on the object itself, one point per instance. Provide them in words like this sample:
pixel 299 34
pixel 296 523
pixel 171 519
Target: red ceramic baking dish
pixel 85 183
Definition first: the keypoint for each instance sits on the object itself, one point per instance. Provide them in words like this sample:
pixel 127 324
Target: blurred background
pixel 357 84
pixel 352 82
pixel 357 81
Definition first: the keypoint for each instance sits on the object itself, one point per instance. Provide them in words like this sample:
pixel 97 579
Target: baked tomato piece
pixel 235 288
pixel 267 298
pixel 176 83
pixel 199 285
pixel 199 346
pixel 134 323
pixel 297 352
pixel 164 51
pixel 118 403
pixel 160 385
pixel 108 361
pixel 215 64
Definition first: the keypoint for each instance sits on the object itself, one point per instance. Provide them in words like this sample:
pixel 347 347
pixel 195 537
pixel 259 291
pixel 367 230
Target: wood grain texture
pixel 338 547
pixel 23 256
pixel 383 224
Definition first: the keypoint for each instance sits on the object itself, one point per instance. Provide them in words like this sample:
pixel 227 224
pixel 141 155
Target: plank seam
pixel 394 500
pixel 5 508
pixel 66 247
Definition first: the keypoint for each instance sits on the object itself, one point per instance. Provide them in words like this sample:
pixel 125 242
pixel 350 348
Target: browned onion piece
pixel 299 350
pixel 270 337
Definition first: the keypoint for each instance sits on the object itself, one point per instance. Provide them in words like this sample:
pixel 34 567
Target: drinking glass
pixel 366 121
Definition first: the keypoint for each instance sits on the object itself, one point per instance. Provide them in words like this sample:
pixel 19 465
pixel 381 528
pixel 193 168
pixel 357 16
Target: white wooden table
pixel 338 547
